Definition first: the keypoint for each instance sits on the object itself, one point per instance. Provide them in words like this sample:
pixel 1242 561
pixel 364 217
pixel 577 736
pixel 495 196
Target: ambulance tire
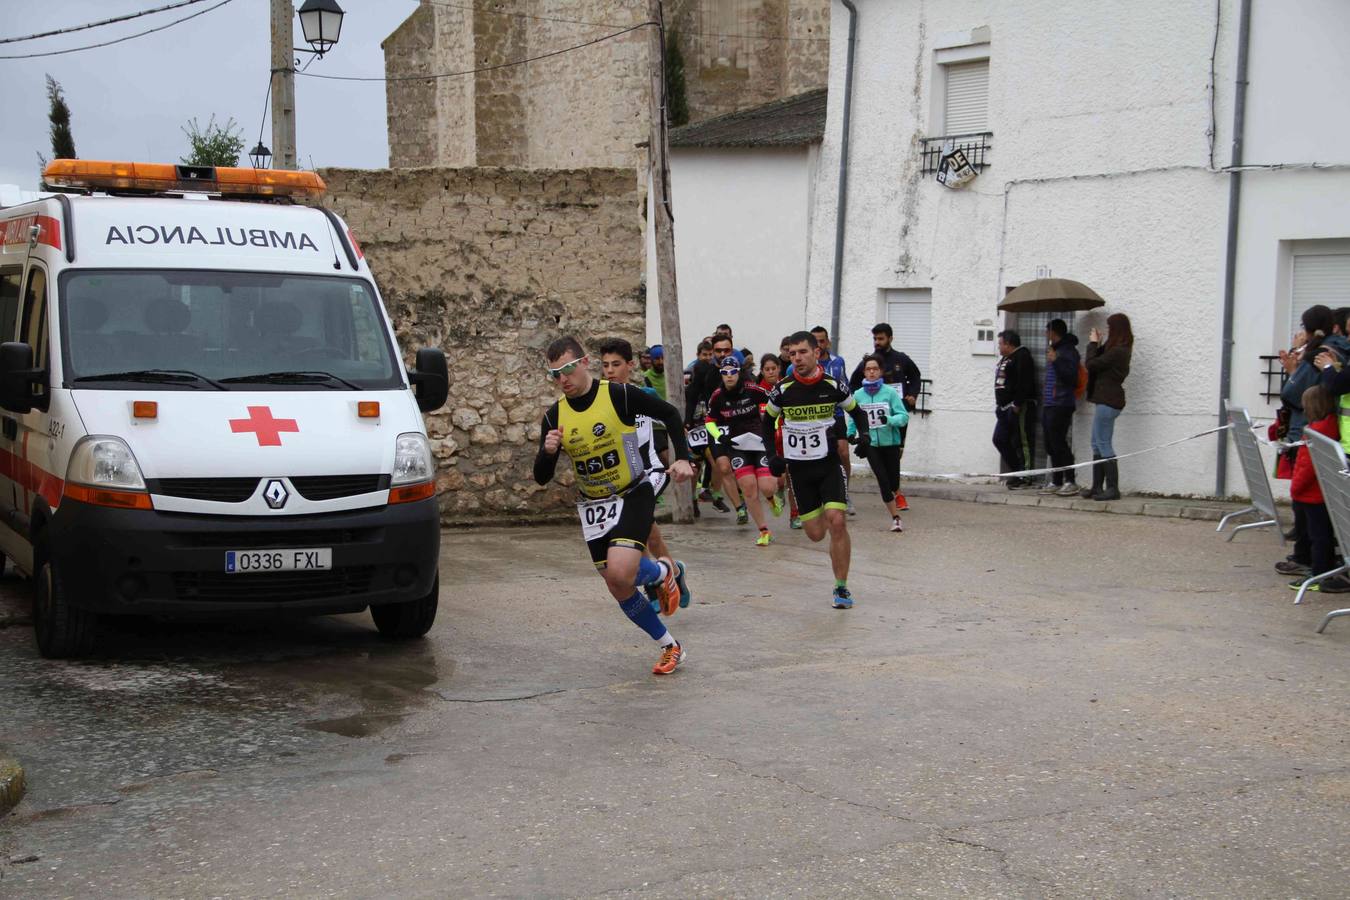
pixel 63 631
pixel 408 620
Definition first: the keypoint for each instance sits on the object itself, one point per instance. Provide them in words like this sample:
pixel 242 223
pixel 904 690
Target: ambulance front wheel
pixel 408 620
pixel 63 631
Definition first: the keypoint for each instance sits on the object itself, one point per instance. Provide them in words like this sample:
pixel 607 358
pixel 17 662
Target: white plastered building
pixel 1107 141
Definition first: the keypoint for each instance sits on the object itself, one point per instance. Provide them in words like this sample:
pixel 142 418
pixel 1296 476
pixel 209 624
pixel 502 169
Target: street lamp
pixel 260 156
pixel 321 21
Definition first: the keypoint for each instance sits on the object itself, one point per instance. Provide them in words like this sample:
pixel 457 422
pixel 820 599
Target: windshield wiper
pixel 288 378
pixel 166 376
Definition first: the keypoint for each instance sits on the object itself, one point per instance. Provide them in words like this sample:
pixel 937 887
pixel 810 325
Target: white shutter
pixel 967 104
pixel 1322 278
pixel 912 321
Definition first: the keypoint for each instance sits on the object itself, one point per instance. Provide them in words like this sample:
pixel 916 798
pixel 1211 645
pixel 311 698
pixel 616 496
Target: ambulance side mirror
pixel 16 377
pixel 430 379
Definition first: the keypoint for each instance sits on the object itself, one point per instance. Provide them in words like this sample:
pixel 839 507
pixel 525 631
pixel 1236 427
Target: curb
pixel 1130 506
pixel 11 784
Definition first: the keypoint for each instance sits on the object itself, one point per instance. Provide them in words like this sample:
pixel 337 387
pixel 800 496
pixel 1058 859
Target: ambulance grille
pixel 280 538
pixel 273 587
pixel 331 487
pixel 218 490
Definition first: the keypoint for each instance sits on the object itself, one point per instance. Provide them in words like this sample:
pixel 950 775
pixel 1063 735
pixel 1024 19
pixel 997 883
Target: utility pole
pixel 283 85
pixel 663 221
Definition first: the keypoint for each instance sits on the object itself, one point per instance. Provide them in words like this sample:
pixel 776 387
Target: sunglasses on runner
pixel 567 369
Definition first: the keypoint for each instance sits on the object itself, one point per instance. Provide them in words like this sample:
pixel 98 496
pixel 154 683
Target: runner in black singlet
pixel 808 400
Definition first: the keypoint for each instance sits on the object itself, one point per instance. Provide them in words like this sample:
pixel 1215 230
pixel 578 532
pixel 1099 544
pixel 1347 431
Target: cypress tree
pixel 63 144
pixel 677 100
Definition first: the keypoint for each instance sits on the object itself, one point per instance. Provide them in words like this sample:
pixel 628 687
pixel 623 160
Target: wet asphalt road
pixel 1024 703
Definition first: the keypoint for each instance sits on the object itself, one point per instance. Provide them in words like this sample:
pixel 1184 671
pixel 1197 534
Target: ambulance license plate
pixel 313 559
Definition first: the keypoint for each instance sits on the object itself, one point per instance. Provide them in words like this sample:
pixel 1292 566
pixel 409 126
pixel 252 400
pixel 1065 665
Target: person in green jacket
pixel 887 418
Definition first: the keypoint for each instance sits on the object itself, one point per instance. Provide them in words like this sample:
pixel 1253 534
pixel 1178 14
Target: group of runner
pixel 754 442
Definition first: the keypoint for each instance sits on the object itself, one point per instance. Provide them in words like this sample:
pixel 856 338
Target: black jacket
pixel 1015 379
pixel 896 368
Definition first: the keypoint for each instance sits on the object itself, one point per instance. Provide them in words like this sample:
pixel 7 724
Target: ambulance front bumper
pixel 151 562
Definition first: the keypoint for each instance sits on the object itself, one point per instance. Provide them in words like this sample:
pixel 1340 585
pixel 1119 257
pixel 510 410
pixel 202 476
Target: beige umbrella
pixel 1051 295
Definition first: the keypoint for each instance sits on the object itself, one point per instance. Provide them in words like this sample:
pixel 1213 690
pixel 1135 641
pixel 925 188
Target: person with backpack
pixel 1060 397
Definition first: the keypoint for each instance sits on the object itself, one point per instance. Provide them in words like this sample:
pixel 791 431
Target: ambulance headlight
pixel 105 462
pixel 412 459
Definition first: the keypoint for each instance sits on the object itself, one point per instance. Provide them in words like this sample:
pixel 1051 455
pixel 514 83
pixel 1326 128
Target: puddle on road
pixel 357 726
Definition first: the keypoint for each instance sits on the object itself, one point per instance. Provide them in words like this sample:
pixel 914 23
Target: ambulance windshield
pixel 227 327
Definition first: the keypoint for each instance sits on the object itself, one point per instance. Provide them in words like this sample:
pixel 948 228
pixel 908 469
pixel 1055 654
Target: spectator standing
pixel 1060 397
pixel 654 374
pixel 1108 365
pixel 1015 401
pixel 1315 542
pixel 1317 335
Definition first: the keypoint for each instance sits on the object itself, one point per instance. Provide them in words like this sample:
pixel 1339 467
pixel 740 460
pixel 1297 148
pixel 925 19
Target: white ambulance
pixel 203 409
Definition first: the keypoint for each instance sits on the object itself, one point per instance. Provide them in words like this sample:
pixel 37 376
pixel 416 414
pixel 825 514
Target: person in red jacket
pixel 1312 522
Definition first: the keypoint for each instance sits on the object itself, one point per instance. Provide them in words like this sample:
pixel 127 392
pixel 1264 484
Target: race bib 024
pixel 598 517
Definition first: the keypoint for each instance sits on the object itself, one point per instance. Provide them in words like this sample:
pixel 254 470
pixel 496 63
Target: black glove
pixel 724 440
pixel 777 465
pixel 864 446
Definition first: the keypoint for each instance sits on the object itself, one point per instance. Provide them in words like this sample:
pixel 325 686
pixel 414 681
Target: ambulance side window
pixel 33 330
pixel 9 303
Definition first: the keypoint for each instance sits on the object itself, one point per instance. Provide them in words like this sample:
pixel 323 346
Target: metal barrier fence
pixel 1254 469
pixel 1331 466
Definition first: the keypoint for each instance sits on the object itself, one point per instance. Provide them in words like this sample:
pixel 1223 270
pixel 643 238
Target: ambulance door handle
pixel 11 428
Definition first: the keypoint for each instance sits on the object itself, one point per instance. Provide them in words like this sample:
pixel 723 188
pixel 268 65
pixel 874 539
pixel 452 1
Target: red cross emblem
pixel 261 423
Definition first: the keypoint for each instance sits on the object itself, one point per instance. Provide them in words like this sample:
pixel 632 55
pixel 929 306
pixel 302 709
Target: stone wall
pixel 491 265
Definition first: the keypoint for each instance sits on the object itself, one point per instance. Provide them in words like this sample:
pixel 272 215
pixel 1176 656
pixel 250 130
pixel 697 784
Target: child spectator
pixel 1315 540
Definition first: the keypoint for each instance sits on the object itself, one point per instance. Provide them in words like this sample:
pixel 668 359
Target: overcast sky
pixel 131 100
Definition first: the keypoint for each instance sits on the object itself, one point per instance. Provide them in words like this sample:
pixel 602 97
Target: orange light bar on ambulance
pixel 145 409
pixel 368 409
pixel 97 175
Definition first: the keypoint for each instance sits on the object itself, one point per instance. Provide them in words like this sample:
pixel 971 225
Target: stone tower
pixel 587 107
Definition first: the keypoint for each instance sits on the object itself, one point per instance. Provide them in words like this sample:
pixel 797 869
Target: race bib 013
pixel 805 440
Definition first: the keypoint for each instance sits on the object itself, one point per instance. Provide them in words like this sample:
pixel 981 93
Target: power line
pixel 505 65
pixel 135 15
pixel 121 39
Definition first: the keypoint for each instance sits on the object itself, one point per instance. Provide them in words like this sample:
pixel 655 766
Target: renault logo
pixel 276 494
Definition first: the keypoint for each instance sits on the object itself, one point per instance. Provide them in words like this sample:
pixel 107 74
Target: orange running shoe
pixel 671 657
pixel 669 589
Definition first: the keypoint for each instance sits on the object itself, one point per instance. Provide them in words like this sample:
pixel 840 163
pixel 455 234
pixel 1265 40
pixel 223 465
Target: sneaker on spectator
pixel 1336 584
pixel 1298 583
pixel 1049 488
pixel 1292 567
pixel 1070 489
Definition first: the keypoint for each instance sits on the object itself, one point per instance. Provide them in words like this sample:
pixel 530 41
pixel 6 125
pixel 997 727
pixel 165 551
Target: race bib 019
pixel 598 517
pixel 805 440
pixel 878 414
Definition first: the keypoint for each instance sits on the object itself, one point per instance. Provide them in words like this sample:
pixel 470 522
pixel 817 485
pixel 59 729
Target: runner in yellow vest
pixel 595 424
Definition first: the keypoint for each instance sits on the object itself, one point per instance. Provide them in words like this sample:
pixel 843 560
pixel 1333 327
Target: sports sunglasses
pixel 567 369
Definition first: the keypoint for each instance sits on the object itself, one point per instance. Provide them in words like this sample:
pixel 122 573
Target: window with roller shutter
pixel 1318 278
pixel 966 108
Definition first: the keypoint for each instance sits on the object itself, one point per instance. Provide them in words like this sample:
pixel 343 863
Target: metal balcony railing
pixel 976 146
